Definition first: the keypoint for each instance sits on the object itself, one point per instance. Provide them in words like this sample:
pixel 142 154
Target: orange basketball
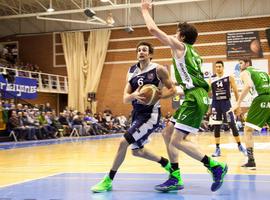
pixel 150 92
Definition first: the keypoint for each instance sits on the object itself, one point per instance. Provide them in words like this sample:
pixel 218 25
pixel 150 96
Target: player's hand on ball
pixel 137 95
pixel 159 94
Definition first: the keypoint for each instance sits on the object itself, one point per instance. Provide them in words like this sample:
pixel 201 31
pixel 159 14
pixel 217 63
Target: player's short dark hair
pixel 246 60
pixel 143 43
pixel 188 31
pixel 220 62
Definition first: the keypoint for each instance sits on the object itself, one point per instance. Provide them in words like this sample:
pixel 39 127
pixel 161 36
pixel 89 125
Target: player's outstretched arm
pixel 163 75
pixel 171 41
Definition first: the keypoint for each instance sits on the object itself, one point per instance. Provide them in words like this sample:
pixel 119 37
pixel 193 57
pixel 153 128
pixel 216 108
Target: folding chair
pixel 74 132
pixel 59 132
pixel 12 134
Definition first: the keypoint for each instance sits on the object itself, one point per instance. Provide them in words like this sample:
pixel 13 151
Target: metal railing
pixel 46 82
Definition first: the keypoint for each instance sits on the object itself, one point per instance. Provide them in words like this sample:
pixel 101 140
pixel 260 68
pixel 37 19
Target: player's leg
pixel 139 134
pixel 167 133
pixel 217 118
pixel 217 152
pixel 257 116
pixel 149 155
pixel 189 120
pixel 249 141
pixel 106 183
pixel 231 121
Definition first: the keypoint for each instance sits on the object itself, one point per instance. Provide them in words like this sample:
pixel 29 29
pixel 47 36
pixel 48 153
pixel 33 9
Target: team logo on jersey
pixel 150 76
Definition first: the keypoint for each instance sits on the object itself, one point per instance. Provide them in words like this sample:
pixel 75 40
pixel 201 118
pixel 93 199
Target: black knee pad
pixel 234 129
pixel 129 138
pixel 217 130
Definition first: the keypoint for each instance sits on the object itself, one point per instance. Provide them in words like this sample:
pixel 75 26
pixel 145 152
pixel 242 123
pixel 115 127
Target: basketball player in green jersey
pixel 188 117
pixel 255 81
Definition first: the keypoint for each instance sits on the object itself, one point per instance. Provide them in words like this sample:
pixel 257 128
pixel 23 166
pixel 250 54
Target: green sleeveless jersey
pixel 260 79
pixel 187 70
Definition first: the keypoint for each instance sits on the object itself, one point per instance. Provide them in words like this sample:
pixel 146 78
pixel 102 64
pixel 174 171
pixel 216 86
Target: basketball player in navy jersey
pixel 145 119
pixel 221 93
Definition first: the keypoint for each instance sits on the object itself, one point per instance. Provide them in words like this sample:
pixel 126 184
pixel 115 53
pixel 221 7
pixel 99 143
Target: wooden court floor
pixel 92 156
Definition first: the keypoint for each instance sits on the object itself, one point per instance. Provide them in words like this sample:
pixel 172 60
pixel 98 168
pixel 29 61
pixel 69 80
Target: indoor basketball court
pixel 78 75
pixel 50 172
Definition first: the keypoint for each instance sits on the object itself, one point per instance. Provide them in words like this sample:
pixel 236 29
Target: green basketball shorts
pixel 189 115
pixel 259 112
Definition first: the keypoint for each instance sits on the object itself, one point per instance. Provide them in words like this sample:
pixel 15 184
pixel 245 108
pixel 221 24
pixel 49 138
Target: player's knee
pixel 137 152
pixel 123 143
pixel 167 133
pixel 248 130
pixel 178 143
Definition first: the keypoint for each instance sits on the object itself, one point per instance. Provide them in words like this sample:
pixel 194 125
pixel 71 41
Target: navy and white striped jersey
pixel 221 88
pixel 138 77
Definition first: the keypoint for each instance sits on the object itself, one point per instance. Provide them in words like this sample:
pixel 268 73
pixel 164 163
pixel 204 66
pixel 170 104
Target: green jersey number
pixel 264 77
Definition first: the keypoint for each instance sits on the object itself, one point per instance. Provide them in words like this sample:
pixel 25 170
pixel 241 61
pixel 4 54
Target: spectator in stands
pixel 17 126
pixel 6 105
pixel 48 107
pixel 44 126
pixel 51 128
pixel 25 108
pixel 88 110
pixel 78 123
pixel 31 117
pixel 107 111
pixel 30 127
pixel 64 122
pixel 19 107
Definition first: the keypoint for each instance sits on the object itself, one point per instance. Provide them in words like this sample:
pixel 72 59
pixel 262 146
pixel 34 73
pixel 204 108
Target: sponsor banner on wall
pixel 25 88
pixel 243 44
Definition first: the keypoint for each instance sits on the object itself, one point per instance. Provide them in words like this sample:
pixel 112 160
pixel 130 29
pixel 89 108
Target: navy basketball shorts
pixel 143 124
pixel 220 110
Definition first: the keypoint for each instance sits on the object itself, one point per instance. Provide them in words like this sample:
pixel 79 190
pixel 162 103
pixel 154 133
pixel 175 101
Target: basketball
pixel 150 92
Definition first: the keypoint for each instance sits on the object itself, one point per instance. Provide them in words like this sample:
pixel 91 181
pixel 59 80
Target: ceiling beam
pixel 44 7
pixel 99 8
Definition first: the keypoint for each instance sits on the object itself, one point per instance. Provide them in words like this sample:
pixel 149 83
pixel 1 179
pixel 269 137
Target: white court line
pixel 257 145
pixel 28 180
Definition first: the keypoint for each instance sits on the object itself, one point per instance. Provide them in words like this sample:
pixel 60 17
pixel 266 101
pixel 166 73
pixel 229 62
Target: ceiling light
pixel 50 9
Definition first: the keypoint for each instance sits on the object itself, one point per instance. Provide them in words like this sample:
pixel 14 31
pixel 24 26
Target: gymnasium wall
pixel 46 51
pixel 211 46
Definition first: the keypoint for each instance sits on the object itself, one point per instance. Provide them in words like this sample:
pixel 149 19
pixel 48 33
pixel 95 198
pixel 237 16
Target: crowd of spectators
pixel 9 59
pixel 42 122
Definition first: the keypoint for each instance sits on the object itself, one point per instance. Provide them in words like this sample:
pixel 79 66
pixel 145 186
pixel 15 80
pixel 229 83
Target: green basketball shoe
pixel 218 171
pixel 103 186
pixel 174 183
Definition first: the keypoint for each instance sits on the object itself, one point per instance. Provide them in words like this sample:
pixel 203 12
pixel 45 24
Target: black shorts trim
pixel 129 138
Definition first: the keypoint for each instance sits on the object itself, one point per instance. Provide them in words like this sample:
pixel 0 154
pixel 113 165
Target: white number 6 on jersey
pixel 140 81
